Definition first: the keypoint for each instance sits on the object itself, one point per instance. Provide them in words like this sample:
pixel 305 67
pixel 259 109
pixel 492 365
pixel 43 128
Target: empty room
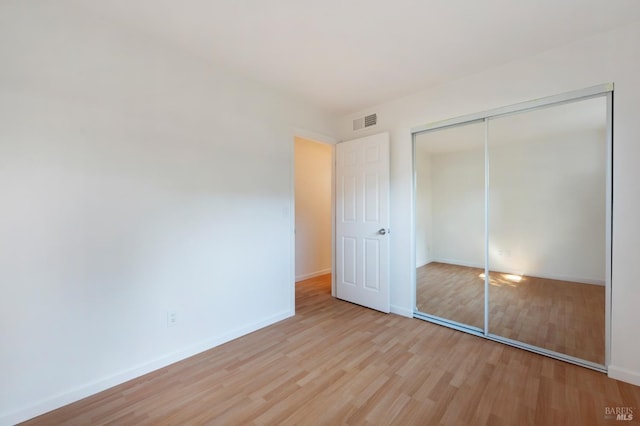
pixel 281 212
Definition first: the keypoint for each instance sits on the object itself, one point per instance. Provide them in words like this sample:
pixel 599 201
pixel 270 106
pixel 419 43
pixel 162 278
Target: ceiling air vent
pixel 364 122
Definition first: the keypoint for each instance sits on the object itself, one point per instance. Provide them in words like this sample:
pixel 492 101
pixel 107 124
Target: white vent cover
pixel 364 122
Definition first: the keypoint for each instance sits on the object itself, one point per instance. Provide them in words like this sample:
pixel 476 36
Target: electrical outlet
pixel 172 318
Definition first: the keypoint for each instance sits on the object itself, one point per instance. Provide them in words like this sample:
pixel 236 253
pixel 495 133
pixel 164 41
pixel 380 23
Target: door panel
pixel 547 228
pixel 371 261
pixel 450 170
pixel 362 203
pixel 349 261
pixel 349 198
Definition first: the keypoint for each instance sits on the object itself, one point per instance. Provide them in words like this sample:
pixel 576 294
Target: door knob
pixel 382 231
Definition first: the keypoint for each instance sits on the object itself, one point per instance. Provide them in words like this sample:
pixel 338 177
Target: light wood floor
pixel 338 363
pixel 562 316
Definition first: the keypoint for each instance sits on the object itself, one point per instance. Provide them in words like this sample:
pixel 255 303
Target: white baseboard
pixel 422 262
pixel 581 280
pixel 398 310
pixel 624 375
pixel 88 389
pixel 458 262
pixel 313 274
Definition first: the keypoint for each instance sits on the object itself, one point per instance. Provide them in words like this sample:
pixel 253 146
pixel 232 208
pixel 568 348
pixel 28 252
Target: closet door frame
pixel 603 90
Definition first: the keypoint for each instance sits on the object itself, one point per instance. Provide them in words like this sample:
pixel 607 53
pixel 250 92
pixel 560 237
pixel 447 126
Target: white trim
pixel 458 262
pixel 292 224
pixel 91 388
pixel 547 352
pixel 609 230
pixel 573 96
pixel 580 280
pixel 313 136
pixel 313 274
pixel 333 221
pixel 425 262
pixel 486 228
pixel 624 375
pixel 413 225
pixel 399 310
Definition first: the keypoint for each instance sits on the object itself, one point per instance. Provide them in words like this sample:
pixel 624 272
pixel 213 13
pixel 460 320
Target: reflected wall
pixel 538 177
pixel 547 218
pixel 450 223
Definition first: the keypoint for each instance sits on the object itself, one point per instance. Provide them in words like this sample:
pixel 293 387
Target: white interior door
pixel 362 221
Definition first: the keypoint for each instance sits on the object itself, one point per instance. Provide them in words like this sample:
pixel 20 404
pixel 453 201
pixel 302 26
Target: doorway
pixel 313 197
pixel 341 220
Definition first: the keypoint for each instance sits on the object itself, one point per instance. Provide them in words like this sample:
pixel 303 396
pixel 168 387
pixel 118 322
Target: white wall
pixel 424 206
pixel 312 208
pixel 611 57
pixel 458 207
pixel 135 179
pixel 546 205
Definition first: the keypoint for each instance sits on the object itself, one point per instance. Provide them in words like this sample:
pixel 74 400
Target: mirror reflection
pixel 449 165
pixel 546 210
pixel 547 218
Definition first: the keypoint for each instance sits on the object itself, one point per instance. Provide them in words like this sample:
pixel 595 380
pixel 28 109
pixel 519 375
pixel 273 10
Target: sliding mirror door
pixel 547 227
pixel 513 224
pixel 449 185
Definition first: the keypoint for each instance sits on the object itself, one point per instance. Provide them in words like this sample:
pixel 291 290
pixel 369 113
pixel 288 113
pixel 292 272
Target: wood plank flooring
pixel 338 363
pixel 562 316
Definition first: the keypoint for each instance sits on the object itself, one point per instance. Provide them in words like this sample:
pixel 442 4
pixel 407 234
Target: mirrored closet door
pixel 547 208
pixel 449 182
pixel 512 218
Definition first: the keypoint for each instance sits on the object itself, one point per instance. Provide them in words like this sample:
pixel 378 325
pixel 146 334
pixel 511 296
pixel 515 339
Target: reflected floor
pixel 561 316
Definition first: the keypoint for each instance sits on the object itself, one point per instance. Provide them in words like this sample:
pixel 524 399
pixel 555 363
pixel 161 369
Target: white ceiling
pixel 347 55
